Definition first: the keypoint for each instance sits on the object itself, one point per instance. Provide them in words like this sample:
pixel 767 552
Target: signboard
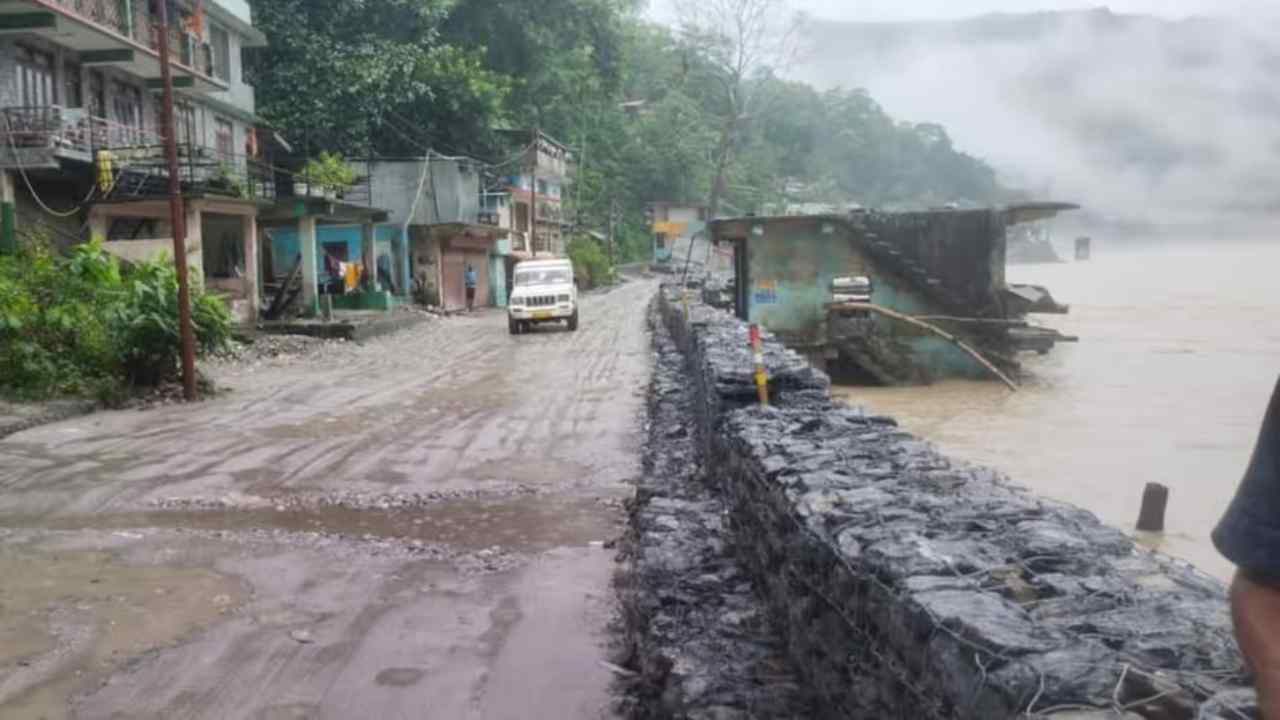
pixel 765 292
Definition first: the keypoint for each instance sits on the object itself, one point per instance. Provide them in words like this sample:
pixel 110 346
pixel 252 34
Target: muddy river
pixel 1179 351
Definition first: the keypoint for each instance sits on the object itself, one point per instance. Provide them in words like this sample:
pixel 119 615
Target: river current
pixel 1179 352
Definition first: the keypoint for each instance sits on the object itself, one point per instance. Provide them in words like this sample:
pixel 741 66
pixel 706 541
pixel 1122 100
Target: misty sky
pixel 889 10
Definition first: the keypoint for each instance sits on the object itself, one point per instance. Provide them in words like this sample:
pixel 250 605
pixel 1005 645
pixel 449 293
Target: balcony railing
pixel 141 27
pixel 201 170
pixel 57 128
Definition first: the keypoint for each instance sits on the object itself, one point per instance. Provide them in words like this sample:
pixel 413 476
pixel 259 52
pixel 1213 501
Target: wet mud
pixel 414 527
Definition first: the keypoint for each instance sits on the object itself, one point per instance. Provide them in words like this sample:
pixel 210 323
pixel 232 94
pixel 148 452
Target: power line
pixel 22 170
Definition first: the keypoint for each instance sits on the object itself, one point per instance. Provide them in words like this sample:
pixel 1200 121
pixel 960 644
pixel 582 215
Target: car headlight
pixel 563 298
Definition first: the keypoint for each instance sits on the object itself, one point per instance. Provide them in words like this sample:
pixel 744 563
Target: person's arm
pixel 1249 536
pixel 1255 607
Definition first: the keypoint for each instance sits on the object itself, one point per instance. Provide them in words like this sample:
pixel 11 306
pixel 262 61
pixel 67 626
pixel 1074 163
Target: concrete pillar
pixel 99 224
pixel 8 214
pixel 310 273
pixel 249 232
pixel 195 241
pixel 406 278
pixel 369 255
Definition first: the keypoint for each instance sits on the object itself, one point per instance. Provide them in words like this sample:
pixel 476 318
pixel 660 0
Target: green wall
pixel 791 267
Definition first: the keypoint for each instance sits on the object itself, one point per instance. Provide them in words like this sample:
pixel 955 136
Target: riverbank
pixel 898 578
pixel 1179 351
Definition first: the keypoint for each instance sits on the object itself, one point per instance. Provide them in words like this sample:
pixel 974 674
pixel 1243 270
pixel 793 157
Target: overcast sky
pixel 888 10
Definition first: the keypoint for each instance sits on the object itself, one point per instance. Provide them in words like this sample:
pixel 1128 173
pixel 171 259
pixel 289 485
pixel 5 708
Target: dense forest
pixel 650 111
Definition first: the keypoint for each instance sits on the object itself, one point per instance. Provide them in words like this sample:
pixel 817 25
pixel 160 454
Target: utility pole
pixel 533 196
pixel 177 216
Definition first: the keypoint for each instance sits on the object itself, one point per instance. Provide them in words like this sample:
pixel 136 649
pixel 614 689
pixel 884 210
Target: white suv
pixel 543 291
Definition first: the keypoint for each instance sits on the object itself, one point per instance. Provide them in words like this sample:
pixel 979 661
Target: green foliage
pixel 78 325
pixel 338 75
pixel 395 75
pixel 590 262
pixel 146 324
pixel 330 172
pixel 228 178
pixel 55 333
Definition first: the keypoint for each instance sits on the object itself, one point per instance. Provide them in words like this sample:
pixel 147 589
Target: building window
pixel 220 40
pixel 35 78
pixel 522 217
pixel 542 187
pixel 73 86
pixel 184 117
pixel 661 240
pixel 225 137
pixel 126 111
pixel 97 95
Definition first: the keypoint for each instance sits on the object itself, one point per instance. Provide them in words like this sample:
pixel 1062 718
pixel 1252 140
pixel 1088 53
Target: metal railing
pixel 140 26
pixel 295 183
pixel 57 128
pixel 201 170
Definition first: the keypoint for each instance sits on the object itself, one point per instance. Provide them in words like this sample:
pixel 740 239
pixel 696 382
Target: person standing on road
pixel 469 282
pixel 1249 536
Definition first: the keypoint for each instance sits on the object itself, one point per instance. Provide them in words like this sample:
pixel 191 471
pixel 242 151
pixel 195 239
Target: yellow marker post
pixel 757 356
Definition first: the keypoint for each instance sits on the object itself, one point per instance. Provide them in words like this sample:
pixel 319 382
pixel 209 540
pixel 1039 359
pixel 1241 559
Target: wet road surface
pixel 412 528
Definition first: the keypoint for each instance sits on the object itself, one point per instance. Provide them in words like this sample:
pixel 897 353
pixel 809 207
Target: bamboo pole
pixel 936 331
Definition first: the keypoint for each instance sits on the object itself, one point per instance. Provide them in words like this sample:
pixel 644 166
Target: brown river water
pixel 1179 351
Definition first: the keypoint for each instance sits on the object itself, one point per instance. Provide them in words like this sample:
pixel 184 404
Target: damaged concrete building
pixel 892 298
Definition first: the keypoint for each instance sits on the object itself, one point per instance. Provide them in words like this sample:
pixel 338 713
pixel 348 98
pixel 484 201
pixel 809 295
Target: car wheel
pixel 573 322
pixel 513 327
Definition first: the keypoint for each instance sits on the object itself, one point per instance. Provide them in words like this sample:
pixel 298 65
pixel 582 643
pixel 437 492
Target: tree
pixel 341 75
pixel 741 42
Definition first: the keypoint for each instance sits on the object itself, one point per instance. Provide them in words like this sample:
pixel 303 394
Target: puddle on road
pixel 524 523
pixel 68 619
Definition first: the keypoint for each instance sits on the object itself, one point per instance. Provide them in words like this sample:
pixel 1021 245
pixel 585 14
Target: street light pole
pixel 177 217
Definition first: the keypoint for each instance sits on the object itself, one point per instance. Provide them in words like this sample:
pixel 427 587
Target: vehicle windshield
pixel 542 276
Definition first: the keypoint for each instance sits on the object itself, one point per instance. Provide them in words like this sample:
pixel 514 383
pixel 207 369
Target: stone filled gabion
pixel 698 634
pixel 908 585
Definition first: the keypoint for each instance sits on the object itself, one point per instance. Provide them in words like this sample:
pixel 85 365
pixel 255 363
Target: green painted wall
pixel 938 357
pixel 791 268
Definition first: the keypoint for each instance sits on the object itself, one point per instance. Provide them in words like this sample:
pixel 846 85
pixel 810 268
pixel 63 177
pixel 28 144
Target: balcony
pixel 120 33
pixel 144 172
pixel 42 136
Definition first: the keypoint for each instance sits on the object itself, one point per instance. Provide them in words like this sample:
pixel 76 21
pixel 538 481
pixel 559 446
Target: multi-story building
pixel 81 129
pixel 537 180
pixel 673 226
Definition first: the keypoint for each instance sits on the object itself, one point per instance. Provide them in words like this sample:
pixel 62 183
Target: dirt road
pixel 413 528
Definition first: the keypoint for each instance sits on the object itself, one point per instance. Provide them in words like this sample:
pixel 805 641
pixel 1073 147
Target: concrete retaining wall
pixel 908 585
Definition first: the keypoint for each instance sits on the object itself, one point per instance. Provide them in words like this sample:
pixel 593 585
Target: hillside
pixel 1142 120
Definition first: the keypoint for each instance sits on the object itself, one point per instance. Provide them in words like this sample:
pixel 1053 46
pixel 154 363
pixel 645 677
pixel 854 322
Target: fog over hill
pixel 1142 120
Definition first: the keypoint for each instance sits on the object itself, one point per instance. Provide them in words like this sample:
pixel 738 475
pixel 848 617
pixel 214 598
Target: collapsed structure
pixel 847 288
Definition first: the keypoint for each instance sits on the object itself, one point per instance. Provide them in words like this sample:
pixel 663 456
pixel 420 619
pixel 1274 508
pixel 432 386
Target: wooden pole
pixel 936 331
pixel 1155 501
pixel 177 216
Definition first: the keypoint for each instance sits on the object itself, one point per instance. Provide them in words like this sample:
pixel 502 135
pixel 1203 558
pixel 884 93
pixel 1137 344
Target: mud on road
pixel 410 528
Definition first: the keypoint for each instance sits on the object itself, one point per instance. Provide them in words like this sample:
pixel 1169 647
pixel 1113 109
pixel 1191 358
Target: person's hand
pixel 1255 608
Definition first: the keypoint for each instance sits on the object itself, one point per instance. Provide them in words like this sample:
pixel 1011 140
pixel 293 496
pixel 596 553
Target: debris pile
pixel 909 585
